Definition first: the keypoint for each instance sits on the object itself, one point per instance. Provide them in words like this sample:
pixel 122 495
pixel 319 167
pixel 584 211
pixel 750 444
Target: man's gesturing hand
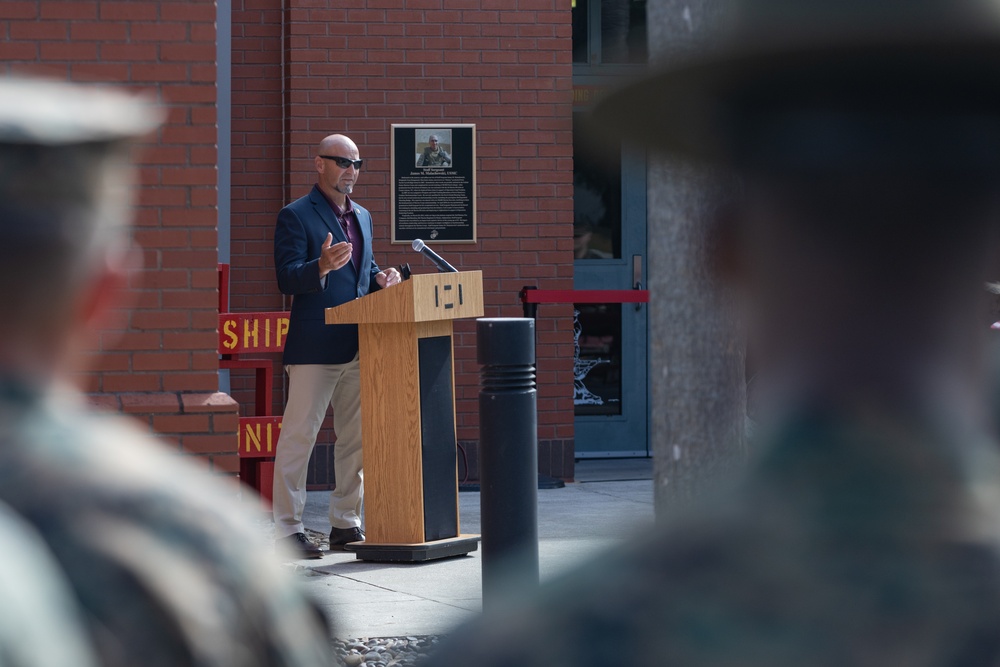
pixel 332 257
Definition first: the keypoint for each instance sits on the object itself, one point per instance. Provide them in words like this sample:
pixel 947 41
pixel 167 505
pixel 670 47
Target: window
pixel 609 32
pixel 597 195
pixel 597 363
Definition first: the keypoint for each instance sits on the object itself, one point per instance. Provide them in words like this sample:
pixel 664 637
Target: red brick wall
pixel 160 363
pixel 356 67
pixel 259 184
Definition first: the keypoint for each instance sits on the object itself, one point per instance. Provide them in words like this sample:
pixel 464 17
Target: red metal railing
pixel 531 297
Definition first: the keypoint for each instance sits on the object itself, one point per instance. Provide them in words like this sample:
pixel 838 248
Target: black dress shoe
pixel 341 536
pixel 301 545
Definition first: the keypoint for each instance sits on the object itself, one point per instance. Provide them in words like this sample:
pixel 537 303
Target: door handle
pixel 637 276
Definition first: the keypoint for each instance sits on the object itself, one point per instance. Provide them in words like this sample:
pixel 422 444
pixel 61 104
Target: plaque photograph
pixel 434 183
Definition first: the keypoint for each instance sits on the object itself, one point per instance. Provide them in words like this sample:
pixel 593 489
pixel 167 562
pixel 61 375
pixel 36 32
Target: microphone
pixel 443 266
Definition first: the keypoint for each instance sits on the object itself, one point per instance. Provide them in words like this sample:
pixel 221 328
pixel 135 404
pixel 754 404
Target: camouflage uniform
pixel 866 533
pixel 39 623
pixel 163 567
pixel 864 540
pixel 438 158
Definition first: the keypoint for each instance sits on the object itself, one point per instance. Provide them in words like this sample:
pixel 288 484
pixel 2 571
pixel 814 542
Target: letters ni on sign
pixel 258 436
pixel 241 333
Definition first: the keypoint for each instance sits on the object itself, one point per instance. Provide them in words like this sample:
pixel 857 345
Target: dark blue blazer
pixel 302 227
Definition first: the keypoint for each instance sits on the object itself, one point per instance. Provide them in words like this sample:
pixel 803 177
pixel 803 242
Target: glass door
pixel 609 235
pixel 610 392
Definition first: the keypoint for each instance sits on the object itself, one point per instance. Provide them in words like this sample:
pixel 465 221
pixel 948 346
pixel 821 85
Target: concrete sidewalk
pixel 385 600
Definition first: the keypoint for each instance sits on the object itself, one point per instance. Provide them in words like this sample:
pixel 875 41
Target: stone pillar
pixel 698 389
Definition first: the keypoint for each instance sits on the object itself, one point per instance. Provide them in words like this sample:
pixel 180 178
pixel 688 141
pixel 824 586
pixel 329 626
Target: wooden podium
pixel 408 414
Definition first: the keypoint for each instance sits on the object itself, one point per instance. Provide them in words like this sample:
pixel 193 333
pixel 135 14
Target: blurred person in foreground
pixel 866 530
pixel 164 568
pixel 40 625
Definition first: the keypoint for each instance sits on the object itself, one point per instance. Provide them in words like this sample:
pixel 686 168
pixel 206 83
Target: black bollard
pixel 508 454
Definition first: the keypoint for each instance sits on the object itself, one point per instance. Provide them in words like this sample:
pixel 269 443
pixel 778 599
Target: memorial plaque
pixel 434 183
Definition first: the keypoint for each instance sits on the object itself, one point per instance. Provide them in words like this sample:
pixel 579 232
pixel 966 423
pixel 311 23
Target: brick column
pixel 158 361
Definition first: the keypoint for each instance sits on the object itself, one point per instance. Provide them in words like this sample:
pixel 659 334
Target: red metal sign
pixel 240 333
pixel 258 437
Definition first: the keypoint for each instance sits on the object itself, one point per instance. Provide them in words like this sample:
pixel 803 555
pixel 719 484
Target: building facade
pixel 253 85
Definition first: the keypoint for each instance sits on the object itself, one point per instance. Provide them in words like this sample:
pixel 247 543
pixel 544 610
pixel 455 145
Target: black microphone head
pixel 418 245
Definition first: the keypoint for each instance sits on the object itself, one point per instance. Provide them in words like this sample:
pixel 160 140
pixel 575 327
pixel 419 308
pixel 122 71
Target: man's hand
pixel 388 278
pixel 332 257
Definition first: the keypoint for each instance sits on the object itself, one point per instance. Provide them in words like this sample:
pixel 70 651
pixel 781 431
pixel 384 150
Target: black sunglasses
pixel 343 162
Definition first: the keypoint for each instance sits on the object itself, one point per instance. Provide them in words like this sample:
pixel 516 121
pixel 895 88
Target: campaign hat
pixel 46 112
pixel 767 55
pixel 65 163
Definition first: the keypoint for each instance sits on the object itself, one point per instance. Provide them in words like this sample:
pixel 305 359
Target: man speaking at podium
pixel 323 258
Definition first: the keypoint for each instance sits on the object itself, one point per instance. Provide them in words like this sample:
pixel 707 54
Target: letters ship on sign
pixel 241 333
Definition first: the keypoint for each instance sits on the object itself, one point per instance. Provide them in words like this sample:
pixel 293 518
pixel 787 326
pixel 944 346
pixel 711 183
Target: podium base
pixel 414 553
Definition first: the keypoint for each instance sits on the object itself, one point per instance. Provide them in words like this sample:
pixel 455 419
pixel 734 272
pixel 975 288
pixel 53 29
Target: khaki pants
pixel 312 389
